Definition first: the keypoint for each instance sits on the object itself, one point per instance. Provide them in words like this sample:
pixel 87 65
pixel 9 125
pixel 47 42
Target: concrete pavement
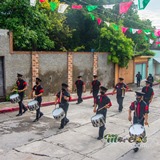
pixel 21 139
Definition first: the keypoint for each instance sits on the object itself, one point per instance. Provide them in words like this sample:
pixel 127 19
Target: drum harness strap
pixel 138 120
pixel 60 98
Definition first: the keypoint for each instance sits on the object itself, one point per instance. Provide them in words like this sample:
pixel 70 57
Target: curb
pixel 45 104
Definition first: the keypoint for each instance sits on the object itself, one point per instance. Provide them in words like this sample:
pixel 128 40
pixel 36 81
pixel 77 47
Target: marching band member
pixel 139 78
pixel 80 87
pixel 149 93
pixel 140 109
pixel 63 97
pixel 150 79
pixel 22 86
pixel 103 103
pixel 95 87
pixel 38 89
pixel 120 88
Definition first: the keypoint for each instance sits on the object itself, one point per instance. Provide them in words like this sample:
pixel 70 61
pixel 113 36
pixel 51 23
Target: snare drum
pixel 137 130
pixel 58 113
pixel 33 105
pixel 14 98
pixel 98 120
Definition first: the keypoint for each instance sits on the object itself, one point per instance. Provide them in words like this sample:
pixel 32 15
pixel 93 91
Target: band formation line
pixel 101 103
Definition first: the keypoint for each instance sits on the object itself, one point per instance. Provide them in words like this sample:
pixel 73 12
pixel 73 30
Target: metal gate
pixel 1 76
pixel 142 69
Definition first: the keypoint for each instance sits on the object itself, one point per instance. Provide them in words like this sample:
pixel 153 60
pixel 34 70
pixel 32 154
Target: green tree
pixel 115 42
pixel 34 28
pixel 86 31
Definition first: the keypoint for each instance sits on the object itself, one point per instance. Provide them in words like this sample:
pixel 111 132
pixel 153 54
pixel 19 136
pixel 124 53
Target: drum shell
pixel 14 98
pixel 60 115
pixel 142 135
pixel 99 121
pixel 33 106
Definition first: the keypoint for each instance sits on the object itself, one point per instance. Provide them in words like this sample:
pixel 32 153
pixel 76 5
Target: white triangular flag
pixel 108 6
pixel 134 30
pixel 62 8
pixel 151 41
pixel 107 23
pixel 32 2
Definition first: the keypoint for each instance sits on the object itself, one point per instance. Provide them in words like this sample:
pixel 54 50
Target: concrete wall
pixel 14 63
pixel 52 71
pixel 83 65
pixel 153 66
pixel 105 70
pixel 53 68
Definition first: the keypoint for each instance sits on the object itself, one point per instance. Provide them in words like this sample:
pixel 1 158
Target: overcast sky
pixel 152 12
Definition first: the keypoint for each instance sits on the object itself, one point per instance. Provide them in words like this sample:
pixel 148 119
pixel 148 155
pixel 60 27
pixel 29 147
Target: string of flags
pixel 123 6
pixel 123 9
pixel 147 32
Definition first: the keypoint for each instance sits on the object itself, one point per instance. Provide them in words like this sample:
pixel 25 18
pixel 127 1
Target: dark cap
pixel 64 85
pixel 121 79
pixel 19 75
pixel 95 76
pixel 103 89
pixel 139 93
pixel 38 79
pixel 148 82
pixel 79 76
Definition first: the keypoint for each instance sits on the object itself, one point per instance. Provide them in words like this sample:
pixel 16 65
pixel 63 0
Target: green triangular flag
pixel 91 8
pixel 142 4
pixel 147 31
pixel 115 27
pixel 130 30
pixel 92 17
pixel 146 38
pixel 159 45
pixel 53 5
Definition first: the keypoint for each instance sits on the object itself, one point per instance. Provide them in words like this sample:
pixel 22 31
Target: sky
pixel 152 12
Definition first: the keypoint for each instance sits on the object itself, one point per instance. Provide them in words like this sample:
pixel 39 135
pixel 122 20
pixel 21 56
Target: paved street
pixel 21 139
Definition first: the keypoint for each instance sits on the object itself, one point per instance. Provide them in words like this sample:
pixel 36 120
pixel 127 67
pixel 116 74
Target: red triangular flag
pixel 99 21
pixel 124 7
pixel 77 6
pixel 139 31
pixel 124 29
pixel 42 1
pixel 157 32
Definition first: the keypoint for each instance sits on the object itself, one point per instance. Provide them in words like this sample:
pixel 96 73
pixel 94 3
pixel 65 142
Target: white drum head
pixel 57 111
pixel 14 96
pixel 32 103
pixel 136 129
pixel 97 116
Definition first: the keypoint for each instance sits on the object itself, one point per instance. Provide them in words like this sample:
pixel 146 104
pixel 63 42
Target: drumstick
pixel 101 108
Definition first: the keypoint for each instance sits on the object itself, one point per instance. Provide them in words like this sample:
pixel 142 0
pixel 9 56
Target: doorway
pixel 2 92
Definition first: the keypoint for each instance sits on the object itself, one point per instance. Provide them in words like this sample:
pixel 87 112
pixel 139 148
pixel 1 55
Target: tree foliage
pixel 34 28
pixel 100 40
pixel 39 28
pixel 115 42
